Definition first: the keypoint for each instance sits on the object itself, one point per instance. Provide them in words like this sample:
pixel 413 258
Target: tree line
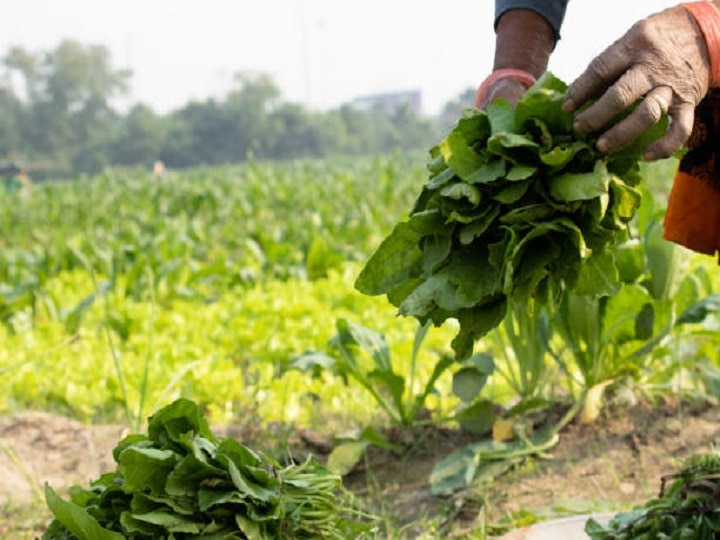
pixel 57 114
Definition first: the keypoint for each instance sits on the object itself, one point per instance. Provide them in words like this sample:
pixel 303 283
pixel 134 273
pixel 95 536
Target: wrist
pixel 707 16
pixel 524 77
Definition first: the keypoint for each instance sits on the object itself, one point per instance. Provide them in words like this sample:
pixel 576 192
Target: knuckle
pixel 650 111
pixel 642 34
pixel 600 66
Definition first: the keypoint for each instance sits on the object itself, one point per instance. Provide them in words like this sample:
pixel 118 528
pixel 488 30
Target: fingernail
pixel 568 105
pixel 650 155
pixel 602 144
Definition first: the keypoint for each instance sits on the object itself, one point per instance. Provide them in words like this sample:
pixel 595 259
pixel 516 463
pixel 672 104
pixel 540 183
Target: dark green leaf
pixel 478 418
pixel 513 193
pixel 76 519
pixel 395 261
pixel 580 186
pixel 468 383
pixel 598 276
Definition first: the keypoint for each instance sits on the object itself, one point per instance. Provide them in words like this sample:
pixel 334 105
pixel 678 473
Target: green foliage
pixel 56 110
pixel 686 508
pixel 389 388
pixel 179 481
pixel 214 279
pixel 516 206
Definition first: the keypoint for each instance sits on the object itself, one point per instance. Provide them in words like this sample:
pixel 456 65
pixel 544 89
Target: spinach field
pixel 234 288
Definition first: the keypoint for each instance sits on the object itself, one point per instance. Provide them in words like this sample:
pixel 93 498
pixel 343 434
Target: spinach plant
pixel 393 391
pixel 363 355
pixel 603 339
pixel 516 206
pixel 179 481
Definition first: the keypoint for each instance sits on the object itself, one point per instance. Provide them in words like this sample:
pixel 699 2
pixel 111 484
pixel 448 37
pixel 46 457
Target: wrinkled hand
pixel 663 59
pixel 509 89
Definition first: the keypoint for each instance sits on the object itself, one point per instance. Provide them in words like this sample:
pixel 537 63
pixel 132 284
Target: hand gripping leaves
pixel 516 206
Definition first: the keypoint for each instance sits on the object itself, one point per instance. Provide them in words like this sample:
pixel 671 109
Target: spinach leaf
pixel 520 207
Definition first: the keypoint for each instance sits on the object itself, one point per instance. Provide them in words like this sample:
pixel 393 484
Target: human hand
pixel 507 83
pixel 509 89
pixel 664 61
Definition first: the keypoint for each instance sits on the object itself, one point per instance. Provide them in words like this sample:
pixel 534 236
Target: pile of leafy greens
pixel 180 482
pixel 516 206
pixel 688 509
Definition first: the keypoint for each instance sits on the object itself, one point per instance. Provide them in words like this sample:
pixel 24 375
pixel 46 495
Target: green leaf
pixel 171 523
pixel 626 199
pixel 460 156
pixel 248 487
pixel 461 190
pixel 178 418
pixel 477 227
pixel 528 213
pixel 146 468
pixel 313 361
pixel 474 278
pixel 468 382
pixel 483 362
pixel 645 322
pixel 700 310
pixel 489 172
pixel 435 291
pixel 580 186
pixel 394 262
pixel 501 116
pixel 394 384
pixel 436 249
pixel 76 519
pixel 321 258
pixel 453 473
pixel 561 155
pixel 513 193
pixel 630 261
pixel 598 276
pixel 515 148
pixel 478 418
pixel 475 323
pixel 370 341
pixel 543 101
pixel 346 456
pixel 440 179
pixel 520 172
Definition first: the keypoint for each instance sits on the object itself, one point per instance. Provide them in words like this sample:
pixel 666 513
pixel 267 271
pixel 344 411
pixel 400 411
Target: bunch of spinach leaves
pixel 180 482
pixel 688 508
pixel 516 206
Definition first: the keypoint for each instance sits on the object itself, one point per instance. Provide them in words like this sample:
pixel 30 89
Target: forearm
pixel 526 33
pixel 524 40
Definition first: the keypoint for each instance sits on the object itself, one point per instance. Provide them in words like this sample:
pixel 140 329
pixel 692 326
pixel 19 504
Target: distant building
pixel 389 101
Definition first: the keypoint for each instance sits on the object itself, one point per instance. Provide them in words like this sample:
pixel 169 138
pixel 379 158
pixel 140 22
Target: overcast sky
pixel 320 52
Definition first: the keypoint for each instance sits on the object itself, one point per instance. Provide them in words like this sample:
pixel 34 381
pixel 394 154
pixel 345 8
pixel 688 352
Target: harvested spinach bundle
pixel 688 509
pixel 516 206
pixel 180 482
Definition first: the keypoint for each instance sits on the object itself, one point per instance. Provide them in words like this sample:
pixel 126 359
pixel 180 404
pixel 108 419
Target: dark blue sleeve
pixel 552 10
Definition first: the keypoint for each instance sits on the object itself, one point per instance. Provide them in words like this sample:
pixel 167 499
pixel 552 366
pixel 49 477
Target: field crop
pixel 122 293
pixel 119 292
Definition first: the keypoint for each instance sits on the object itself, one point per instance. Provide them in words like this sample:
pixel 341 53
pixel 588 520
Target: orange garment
pixel 692 218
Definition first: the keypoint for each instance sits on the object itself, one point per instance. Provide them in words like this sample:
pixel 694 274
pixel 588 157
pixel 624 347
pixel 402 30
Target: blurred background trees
pixel 59 118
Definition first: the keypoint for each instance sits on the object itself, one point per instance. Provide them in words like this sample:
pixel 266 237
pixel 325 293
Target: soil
pixel 616 462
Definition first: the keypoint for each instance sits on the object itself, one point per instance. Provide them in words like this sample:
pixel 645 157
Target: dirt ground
pixel 617 461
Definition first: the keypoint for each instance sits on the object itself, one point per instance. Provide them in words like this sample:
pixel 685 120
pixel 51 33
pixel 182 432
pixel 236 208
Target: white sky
pixel 320 52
